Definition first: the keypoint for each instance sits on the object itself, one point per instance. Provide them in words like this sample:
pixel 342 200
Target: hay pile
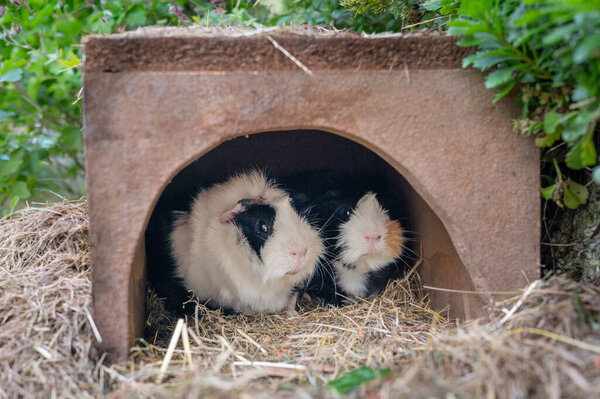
pixel 45 290
pixel 543 343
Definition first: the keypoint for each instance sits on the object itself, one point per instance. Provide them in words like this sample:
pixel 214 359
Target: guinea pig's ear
pixel 368 197
pixel 239 207
pixel 233 212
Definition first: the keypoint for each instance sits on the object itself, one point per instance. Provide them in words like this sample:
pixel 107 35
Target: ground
pixel 575 239
pixel 543 342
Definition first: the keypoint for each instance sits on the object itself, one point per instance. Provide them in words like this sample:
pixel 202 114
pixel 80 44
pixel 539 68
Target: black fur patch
pixel 256 224
pixel 160 266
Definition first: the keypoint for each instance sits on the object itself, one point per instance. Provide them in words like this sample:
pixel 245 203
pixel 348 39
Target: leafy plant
pixel 443 7
pixel 355 378
pixel 547 50
pixel 550 50
pixel 332 14
pixel 41 144
pixel 40 124
pixel 410 12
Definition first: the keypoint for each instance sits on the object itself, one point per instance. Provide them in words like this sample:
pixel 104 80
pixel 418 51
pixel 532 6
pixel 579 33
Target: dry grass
pixel 45 340
pixel 543 343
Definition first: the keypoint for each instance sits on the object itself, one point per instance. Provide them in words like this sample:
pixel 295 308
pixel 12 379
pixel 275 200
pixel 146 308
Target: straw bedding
pixel 544 342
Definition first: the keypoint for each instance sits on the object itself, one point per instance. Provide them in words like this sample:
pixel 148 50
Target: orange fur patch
pixel 394 237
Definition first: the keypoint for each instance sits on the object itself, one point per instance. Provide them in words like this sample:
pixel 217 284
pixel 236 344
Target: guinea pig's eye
pixel 347 212
pixel 263 226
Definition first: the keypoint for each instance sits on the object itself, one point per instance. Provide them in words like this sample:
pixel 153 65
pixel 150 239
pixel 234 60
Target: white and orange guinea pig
pixel 363 243
pixel 367 242
pixel 244 247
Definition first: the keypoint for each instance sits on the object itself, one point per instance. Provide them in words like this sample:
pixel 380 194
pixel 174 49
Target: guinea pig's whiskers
pixel 322 272
pixel 310 217
pixel 330 274
pixel 411 231
pixel 327 239
pixel 401 259
pixel 411 257
pixel 414 233
pixel 329 219
pixel 338 242
pixel 404 247
pixel 319 274
pixel 328 253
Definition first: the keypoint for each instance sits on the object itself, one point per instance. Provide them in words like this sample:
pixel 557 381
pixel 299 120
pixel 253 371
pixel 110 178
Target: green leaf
pixel 580 191
pixel 432 5
pixel 72 139
pixel 10 165
pixel 588 150
pixel 136 17
pixel 574 130
pixel 486 59
pixel 570 199
pixel 559 34
pixel 462 27
pixel 73 61
pixel 518 38
pixel 551 120
pixel 581 93
pixel 548 192
pixel 449 6
pixel 588 48
pixel 596 174
pixel 40 15
pixel 352 380
pixel 13 203
pixel 504 91
pixel 475 8
pixel 19 189
pixel 33 85
pixel 547 140
pixel 583 153
pixel 5 114
pixel 478 39
pixel 12 75
pixel 499 77
pixel 530 15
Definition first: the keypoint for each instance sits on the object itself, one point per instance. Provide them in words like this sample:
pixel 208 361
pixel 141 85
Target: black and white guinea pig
pixel 362 242
pixel 244 247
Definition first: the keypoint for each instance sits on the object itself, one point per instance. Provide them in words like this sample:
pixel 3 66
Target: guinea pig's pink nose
pixel 298 256
pixel 372 240
pixel 298 253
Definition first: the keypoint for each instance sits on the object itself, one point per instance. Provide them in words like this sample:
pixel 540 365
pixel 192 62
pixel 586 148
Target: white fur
pixel 352 281
pixel 354 261
pixel 216 262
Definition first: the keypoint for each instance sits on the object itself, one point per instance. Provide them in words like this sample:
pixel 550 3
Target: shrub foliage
pixel 40 81
pixel 548 53
pixel 545 51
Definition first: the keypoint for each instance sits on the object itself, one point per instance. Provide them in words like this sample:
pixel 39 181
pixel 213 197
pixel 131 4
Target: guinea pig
pixel 244 247
pixel 368 242
pixel 363 244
